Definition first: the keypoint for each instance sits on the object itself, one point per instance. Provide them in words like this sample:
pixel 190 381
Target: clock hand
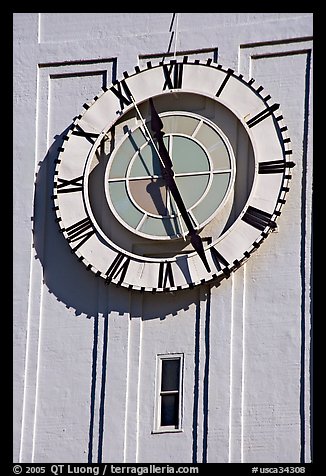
pixel 168 175
pixel 149 136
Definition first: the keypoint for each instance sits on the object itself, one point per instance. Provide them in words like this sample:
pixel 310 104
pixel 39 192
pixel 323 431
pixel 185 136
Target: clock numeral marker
pixel 68 186
pixel 225 80
pixel 82 230
pixel 219 260
pixel 258 218
pixel 274 166
pixel 165 275
pixel 90 136
pixel 262 115
pixel 173 76
pixel 125 96
pixel 119 266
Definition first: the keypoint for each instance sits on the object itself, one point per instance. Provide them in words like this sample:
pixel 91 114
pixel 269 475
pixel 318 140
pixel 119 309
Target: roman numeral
pixel 258 218
pixel 225 80
pixel 274 166
pixel 219 261
pixel 262 115
pixel 90 136
pixel 80 231
pixel 173 75
pixel 165 275
pixel 68 186
pixel 123 96
pixel 119 266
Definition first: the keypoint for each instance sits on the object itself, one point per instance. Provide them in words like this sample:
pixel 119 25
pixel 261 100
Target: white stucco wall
pixel 84 353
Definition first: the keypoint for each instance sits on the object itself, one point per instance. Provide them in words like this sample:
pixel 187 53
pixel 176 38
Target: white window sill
pixel 166 429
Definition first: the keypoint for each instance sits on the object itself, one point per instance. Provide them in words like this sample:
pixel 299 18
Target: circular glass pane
pixel 203 168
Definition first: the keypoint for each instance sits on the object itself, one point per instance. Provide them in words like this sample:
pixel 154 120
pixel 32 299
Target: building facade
pixel 220 372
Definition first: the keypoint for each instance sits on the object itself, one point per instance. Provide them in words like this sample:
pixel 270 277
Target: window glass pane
pixel 192 188
pixel 146 163
pixel 180 124
pixel 123 205
pixel 188 156
pixel 127 149
pixel 169 410
pixel 160 227
pixel 214 197
pixel 215 145
pixel 170 374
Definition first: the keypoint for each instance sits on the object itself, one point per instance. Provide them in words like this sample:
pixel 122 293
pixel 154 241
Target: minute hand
pixel 168 175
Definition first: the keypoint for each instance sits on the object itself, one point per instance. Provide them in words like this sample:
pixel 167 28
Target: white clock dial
pixel 118 209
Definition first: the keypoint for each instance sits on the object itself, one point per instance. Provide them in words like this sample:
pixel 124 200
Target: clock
pixel 172 176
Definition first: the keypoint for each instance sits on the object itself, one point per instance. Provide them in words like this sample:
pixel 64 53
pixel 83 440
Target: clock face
pixel 227 156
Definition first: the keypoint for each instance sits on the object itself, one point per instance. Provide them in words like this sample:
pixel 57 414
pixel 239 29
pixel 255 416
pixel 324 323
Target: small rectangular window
pixel 169 392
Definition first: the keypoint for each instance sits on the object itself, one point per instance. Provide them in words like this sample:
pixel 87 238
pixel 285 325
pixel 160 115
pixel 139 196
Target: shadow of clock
pixel 87 295
pixel 70 281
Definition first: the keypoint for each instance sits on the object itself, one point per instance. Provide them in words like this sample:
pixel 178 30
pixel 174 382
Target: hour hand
pixel 168 175
pixel 157 126
pixel 156 121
